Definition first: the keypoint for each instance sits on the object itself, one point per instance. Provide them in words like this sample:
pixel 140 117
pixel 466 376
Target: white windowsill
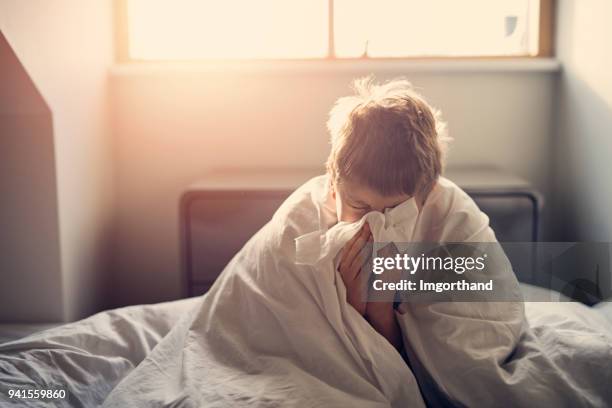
pixel 496 65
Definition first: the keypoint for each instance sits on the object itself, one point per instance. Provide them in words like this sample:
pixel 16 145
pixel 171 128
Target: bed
pixel 86 358
pixel 89 358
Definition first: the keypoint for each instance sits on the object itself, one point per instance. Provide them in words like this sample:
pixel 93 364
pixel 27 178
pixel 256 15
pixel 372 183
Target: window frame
pixel 545 41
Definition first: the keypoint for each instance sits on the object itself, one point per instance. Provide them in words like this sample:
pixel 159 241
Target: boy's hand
pixel 353 257
pixel 380 312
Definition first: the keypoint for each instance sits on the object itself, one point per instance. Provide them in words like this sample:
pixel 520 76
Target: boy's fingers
pixel 363 251
pixel 349 244
pixel 358 245
pixel 359 261
pixel 355 262
pixel 388 250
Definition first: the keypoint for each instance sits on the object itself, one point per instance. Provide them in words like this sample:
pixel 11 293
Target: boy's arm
pixel 381 316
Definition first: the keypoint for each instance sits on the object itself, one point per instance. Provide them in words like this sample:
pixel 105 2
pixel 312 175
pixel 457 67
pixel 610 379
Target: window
pixel 304 29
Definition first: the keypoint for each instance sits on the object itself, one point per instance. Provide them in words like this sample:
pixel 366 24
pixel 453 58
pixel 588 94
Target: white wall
pixel 173 124
pixel 67 47
pixel 583 136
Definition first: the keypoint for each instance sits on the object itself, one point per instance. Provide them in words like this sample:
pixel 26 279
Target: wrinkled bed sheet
pixel 276 332
pixel 79 356
pixel 89 357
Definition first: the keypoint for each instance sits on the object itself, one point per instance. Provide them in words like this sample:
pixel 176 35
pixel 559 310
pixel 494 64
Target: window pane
pixel 200 29
pixel 400 28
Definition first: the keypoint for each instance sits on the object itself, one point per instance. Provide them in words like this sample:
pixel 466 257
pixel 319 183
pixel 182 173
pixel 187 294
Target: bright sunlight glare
pixel 281 29
pixel 399 28
pixel 202 29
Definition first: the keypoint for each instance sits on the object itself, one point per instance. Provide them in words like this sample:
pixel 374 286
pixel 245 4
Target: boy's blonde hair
pixel 387 137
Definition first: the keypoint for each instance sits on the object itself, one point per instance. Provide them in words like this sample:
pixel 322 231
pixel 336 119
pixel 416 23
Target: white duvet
pixel 87 358
pixel 275 330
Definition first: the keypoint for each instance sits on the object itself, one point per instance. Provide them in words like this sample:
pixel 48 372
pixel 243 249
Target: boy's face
pixel 354 200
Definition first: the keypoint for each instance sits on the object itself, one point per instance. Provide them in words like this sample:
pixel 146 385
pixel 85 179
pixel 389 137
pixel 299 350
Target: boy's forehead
pixel 360 193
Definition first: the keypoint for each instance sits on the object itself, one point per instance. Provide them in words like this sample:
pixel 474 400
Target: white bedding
pixel 605 309
pixel 89 357
pixel 38 361
pixel 15 331
pixel 273 332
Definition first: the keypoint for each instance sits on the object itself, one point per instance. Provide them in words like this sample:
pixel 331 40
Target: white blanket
pixel 275 329
pixel 86 358
pixel 274 333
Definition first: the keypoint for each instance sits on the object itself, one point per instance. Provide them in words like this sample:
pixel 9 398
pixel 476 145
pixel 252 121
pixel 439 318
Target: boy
pixel 387 147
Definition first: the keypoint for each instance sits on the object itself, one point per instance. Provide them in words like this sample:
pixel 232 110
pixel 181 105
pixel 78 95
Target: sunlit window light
pixel 202 29
pixel 399 28
pixel 288 29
